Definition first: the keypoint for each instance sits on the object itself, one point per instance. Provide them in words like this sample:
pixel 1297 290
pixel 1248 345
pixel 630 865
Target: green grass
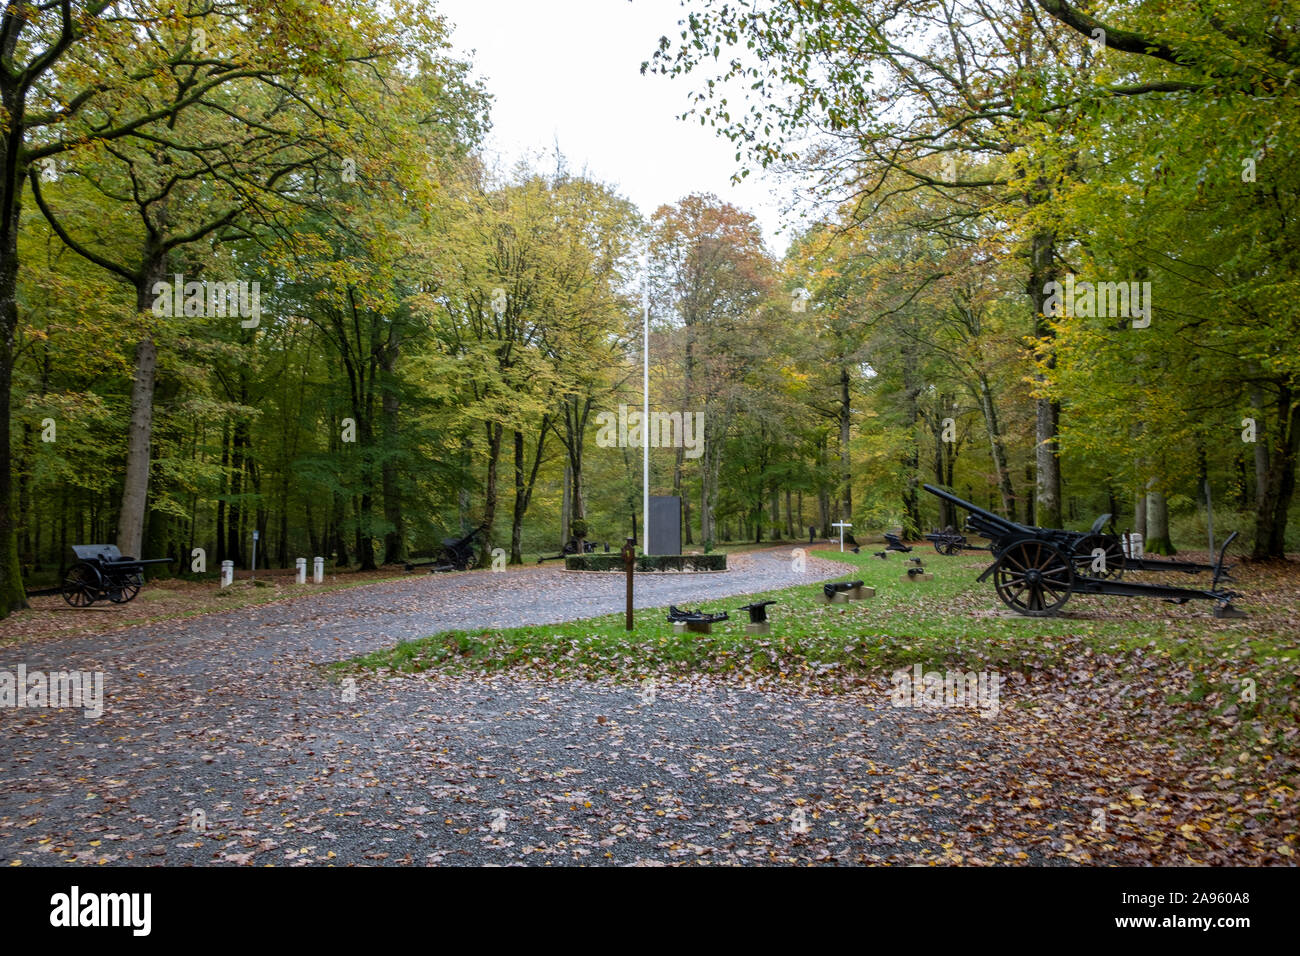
pixel 949 619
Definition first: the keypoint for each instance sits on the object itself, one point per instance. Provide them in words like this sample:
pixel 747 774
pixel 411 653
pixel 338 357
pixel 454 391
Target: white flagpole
pixel 645 400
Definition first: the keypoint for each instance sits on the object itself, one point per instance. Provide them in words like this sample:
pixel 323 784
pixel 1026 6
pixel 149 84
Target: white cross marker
pixel 841 525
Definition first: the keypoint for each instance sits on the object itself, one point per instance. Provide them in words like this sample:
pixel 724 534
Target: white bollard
pixel 318 570
pixel 227 573
pixel 302 570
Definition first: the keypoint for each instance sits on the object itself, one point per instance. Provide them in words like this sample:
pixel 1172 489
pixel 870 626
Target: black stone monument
pixel 665 524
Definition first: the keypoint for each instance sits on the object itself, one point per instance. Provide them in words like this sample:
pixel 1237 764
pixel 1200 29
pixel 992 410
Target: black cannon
pixel 1035 570
pixel 894 543
pixel 757 611
pixel 1098 552
pixel 571 547
pixel 678 616
pixel 101 571
pixel 952 542
pixel 457 554
pixel 840 587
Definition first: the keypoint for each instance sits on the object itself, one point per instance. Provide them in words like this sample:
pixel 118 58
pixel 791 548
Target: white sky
pixel 568 72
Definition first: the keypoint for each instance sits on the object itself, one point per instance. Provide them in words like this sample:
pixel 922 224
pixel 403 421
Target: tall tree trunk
pixel 12 96
pixel 524 487
pixel 823 492
pixel 337 512
pixel 495 430
pixel 235 520
pixel 221 500
pixel 1275 465
pixel 566 505
pixel 395 536
pixel 365 539
pixel 1047 418
pixel 576 413
pixel 911 456
pixel 25 499
pixel 1157 538
pixel 517 515
pixel 678 459
pixel 135 490
pixel 997 447
pixel 313 536
pixel 282 545
pixel 946 511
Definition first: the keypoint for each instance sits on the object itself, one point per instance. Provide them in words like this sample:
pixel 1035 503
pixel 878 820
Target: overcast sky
pixel 568 72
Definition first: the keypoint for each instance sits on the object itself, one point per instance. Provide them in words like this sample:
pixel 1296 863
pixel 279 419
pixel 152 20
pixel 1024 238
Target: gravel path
pixel 350 621
pixel 220 744
pixel 475 770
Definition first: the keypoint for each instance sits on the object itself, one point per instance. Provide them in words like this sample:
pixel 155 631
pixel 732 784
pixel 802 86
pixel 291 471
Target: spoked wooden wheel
pixel 125 587
pixel 1034 578
pixel 947 547
pixel 1109 565
pixel 81 585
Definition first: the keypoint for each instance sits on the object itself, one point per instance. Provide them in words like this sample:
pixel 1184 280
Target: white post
pixel 227 573
pixel 301 564
pixel 253 576
pixel 645 403
pixel 318 571
pixel 841 525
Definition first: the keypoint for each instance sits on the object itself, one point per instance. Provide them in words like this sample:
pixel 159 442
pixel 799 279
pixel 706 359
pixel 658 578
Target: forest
pixel 257 273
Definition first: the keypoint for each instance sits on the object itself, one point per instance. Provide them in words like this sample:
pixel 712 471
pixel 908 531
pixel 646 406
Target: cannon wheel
pixel 126 586
pixel 1081 558
pixel 1032 577
pixel 81 585
pixel 449 559
pixel 949 548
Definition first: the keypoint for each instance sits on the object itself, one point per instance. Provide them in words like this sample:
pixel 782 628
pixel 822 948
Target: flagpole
pixel 645 401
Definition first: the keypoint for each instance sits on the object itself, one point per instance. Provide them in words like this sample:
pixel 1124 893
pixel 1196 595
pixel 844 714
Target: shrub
pixel 647 562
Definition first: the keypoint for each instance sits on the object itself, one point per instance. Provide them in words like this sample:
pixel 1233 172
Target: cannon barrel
pixel 959 502
pixel 988 519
